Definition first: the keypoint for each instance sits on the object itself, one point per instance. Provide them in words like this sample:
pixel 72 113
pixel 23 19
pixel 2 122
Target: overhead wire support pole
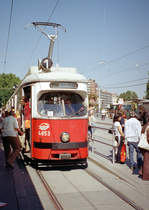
pixel 43 65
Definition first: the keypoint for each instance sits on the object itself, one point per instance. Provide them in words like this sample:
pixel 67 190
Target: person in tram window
pixel 68 107
pixel 50 107
pixel 80 109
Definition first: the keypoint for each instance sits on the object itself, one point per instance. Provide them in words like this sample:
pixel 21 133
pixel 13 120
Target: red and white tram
pixel 58 102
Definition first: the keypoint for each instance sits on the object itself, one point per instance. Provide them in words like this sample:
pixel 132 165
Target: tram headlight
pixel 65 137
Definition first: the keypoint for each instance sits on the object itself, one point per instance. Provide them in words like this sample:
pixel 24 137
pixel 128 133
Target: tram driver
pixel 69 109
pixel 76 109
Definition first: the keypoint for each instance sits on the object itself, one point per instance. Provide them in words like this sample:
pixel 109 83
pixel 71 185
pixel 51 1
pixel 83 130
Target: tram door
pixel 26 116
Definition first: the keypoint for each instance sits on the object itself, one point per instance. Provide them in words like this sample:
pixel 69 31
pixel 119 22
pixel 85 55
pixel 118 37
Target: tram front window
pixel 61 104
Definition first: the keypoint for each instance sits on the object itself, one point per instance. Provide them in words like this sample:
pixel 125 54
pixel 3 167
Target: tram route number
pixel 64 156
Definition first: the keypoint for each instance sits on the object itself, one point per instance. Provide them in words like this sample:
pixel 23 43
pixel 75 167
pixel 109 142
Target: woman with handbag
pixel 144 171
pixel 119 136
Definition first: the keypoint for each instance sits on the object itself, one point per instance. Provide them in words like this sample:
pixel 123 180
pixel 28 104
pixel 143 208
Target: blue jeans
pixel 132 146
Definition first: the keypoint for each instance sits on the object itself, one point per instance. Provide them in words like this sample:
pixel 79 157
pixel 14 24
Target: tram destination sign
pixel 64 85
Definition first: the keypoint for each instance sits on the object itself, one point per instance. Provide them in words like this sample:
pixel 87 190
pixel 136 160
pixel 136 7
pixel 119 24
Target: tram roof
pixel 67 74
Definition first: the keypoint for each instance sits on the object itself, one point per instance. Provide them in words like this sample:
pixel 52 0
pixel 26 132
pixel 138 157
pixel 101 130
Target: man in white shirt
pixel 11 142
pixel 132 136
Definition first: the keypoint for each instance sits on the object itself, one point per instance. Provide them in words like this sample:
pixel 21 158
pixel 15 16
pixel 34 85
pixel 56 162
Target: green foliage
pixel 7 84
pixel 129 95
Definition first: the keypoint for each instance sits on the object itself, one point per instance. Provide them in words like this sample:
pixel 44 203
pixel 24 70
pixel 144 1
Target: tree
pixel 147 89
pixel 129 95
pixel 8 82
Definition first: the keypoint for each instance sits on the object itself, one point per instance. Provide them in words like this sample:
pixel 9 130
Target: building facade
pixel 93 92
pixel 106 99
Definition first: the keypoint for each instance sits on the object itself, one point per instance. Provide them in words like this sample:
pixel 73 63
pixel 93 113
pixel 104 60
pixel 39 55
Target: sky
pixel 106 40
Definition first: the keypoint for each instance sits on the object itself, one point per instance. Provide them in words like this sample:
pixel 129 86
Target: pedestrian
pixel 143 115
pixel 11 142
pixel 90 119
pixel 119 136
pixel 132 135
pixel 122 121
pixel 144 171
pixel 103 114
pixel 27 115
pixel 1 119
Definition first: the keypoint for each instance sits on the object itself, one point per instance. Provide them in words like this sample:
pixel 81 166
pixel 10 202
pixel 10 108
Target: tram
pixel 57 111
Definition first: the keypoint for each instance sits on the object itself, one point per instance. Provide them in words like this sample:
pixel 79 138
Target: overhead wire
pixel 8 37
pixel 140 84
pixel 127 82
pixel 124 56
pixel 127 54
pixel 128 69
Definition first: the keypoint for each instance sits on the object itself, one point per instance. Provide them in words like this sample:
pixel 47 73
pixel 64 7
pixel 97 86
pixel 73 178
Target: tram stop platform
pixel 124 181
pixel 17 191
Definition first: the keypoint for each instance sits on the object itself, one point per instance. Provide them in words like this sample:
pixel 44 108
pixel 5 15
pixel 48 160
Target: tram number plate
pixel 65 156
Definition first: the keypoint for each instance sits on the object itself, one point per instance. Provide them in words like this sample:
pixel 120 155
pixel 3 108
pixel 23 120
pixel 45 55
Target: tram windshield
pixel 61 104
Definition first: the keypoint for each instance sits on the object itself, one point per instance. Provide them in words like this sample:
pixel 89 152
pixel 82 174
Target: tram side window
pixel 61 104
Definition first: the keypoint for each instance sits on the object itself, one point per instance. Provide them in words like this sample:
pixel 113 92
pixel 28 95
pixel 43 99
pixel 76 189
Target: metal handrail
pixel 112 145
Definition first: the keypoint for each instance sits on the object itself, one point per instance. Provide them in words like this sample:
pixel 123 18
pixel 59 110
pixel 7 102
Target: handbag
pixel 123 154
pixel 110 131
pixel 143 144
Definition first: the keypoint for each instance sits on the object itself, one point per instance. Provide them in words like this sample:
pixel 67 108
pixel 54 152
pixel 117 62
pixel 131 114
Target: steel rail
pixel 117 192
pixel 56 203
pixel 108 170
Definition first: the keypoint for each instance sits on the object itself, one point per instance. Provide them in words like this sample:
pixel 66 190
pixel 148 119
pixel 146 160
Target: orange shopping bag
pixel 123 154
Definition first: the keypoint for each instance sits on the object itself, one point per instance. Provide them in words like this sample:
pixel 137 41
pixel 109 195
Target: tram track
pixel 112 189
pixel 51 194
pixel 57 203
pixel 108 170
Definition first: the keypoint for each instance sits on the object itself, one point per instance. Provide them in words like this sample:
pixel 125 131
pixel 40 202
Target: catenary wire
pixel 140 84
pixel 127 82
pixel 128 69
pixel 127 54
pixel 8 37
